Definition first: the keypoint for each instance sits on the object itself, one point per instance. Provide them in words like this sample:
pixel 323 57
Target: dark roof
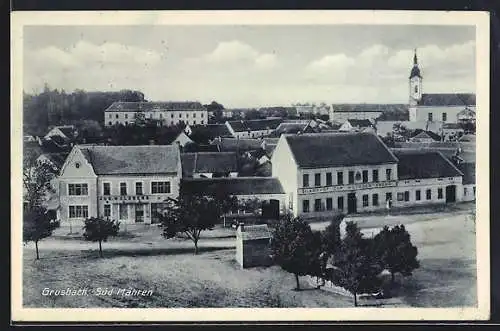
pixel 321 150
pixel 115 160
pixel 448 99
pixel 235 144
pixel 208 162
pixel 364 123
pixel 420 164
pixel 415 71
pixel 419 133
pixel 469 171
pixel 234 185
pixel 291 127
pixel 210 132
pixel 68 131
pixel 255 125
pixel 58 140
pixel 254 232
pixel 56 158
pixel 155 106
pixel 451 126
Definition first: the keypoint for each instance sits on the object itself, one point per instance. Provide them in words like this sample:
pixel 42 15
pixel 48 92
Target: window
pixel 388 174
pixel 110 123
pixel 317 205
pixel 187 115
pixel 180 115
pixel 329 203
pixel 317 179
pixel 375 199
pixel 401 196
pixel 474 191
pixel 123 188
pixel 123 211
pixel 202 121
pixel 340 203
pixel 328 179
pixel 429 117
pixel 194 122
pixel 81 211
pixel 78 189
pixel 365 176
pixel 417 195
pixel 171 115
pixel 110 116
pixel 126 115
pixel 440 193
pixel 106 189
pixel 428 194
pixel 351 177
pixel 160 187
pixel 139 213
pixel 138 188
pixel 375 175
pixel 116 116
pixel 305 180
pixel 465 191
pixel 194 115
pixel 445 116
pixel 388 196
pixel 126 122
pixel 305 206
pixel 161 115
pixel 107 210
pixel 201 116
pixel 416 88
pixel 407 195
pixel 365 200
pixel 340 178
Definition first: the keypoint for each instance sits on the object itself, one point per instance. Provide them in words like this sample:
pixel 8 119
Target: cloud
pixel 84 54
pixel 235 52
pixel 379 63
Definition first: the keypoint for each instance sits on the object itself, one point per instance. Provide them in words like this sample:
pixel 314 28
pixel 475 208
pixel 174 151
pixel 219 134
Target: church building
pixel 436 107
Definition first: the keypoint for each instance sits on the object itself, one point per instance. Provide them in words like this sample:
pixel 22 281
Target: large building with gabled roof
pixel 126 183
pixel 354 172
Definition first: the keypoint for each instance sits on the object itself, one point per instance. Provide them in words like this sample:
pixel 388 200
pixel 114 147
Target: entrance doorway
pixel 451 195
pixel 351 203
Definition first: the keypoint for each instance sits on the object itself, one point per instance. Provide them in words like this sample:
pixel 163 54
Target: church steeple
pixel 415 82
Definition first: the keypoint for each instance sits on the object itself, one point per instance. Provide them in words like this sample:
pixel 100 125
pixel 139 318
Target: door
pixel 451 193
pixel 271 209
pixel 139 213
pixel 351 203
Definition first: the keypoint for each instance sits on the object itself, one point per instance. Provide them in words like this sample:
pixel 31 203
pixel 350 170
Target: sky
pixel 251 66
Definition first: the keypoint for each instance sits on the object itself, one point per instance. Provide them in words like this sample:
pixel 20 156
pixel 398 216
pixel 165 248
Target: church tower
pixel 415 82
pixel 415 88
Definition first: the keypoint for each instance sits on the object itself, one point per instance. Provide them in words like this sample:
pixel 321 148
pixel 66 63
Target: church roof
pixel 415 71
pixel 448 99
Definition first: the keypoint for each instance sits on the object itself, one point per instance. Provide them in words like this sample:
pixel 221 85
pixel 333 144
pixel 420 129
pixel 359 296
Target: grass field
pixel 142 260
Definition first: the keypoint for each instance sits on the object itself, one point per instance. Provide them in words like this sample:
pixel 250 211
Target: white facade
pixel 167 117
pixel 444 114
pixel 126 198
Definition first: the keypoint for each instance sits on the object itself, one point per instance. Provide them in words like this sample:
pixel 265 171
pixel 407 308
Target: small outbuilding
pixel 253 245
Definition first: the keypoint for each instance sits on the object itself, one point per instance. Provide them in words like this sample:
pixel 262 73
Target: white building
pixel 342 115
pixel 446 108
pixel 355 172
pixel 125 183
pixel 166 113
pixel 253 128
pixel 209 164
pixel 356 125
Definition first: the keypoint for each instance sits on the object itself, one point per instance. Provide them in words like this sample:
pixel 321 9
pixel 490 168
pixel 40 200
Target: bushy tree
pixel 100 229
pixel 357 263
pixel 330 237
pixel 36 180
pixel 395 251
pixel 37 224
pixel 293 247
pixel 190 214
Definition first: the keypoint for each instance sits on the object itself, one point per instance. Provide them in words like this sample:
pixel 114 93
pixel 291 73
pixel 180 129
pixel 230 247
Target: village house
pixel 204 134
pixel 165 113
pixel 125 183
pixel 65 132
pixel 363 112
pixel 451 131
pixel 444 107
pixel 469 180
pixel 240 146
pixel 209 164
pixel 421 136
pixel 355 172
pixel 357 125
pixel 253 128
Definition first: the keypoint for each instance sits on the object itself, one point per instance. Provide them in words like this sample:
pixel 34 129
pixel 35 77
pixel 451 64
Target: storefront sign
pixel 350 187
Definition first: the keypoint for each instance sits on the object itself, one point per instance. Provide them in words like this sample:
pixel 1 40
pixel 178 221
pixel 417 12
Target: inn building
pixel 355 172
pixel 126 183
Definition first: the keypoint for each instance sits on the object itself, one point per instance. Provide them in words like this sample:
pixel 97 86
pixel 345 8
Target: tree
pixel 293 247
pixel 357 263
pixel 330 237
pixel 190 214
pixel 36 180
pixel 216 109
pixel 395 251
pixel 37 224
pixel 99 229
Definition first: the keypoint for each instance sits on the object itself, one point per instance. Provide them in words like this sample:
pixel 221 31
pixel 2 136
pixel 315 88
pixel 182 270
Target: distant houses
pixel 209 164
pixel 357 125
pixel 253 128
